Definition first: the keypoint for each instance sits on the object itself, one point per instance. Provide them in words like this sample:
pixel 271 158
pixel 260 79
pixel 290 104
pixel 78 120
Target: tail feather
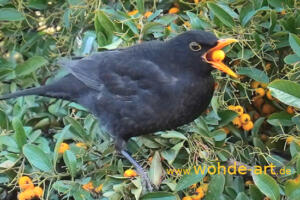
pixel 31 91
pixel 68 88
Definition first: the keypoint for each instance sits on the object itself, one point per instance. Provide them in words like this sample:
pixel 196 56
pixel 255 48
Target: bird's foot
pixel 146 183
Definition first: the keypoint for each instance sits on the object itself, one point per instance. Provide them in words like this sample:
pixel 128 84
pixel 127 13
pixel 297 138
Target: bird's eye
pixel 194 46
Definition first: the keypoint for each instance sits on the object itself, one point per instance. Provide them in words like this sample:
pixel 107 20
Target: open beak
pixel 218 64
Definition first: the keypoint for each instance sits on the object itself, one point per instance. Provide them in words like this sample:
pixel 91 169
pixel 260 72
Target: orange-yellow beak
pixel 217 63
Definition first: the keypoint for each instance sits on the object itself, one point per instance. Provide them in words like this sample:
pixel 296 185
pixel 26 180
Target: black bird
pixel 149 87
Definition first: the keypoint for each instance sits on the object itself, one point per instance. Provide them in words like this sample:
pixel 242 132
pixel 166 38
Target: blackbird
pixel 148 87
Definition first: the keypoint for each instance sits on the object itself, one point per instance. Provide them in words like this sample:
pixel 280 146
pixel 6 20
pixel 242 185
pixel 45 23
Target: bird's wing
pixel 119 75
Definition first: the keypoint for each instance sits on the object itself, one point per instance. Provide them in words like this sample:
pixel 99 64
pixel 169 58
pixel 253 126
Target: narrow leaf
pixel 37 157
pixel 30 65
pixel 10 14
pixel 70 161
pixel 267 185
pixel 20 132
pixel 221 14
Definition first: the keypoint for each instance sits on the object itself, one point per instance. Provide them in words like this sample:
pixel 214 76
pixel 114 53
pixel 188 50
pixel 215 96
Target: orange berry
pixel 237 122
pixel 199 195
pixel 256 116
pixel 268 109
pixel 205 179
pixel 264 85
pixel 169 28
pixel 290 139
pixel 268 66
pixel 187 198
pixel 231 107
pixel 28 194
pixel 134 12
pixel 248 126
pixel 25 183
pixel 255 84
pixel 264 137
pixel 260 92
pixel 218 56
pixel 226 130
pixel 193 186
pixel 283 12
pixel 21 196
pixel 81 145
pixel 187 24
pixel 88 186
pixel 290 110
pixel 239 110
pixel 258 101
pixel 130 173
pixel 63 147
pixel 148 14
pixel 150 159
pixel 173 10
pixel 38 191
pixel 204 187
pixel 269 96
pixel 196 1
pixel 247 183
pixel 245 118
pixel 99 188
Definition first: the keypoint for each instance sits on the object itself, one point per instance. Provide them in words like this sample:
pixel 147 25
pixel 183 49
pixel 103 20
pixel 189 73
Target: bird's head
pixel 206 47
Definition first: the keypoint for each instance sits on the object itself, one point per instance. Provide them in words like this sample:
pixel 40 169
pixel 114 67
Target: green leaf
pixel 30 65
pixel 59 141
pixel 292 189
pixel 246 13
pixel 255 193
pixel 257 125
pixel 196 175
pixel 140 6
pixel 291 59
pixel 254 73
pixel 226 117
pixel 221 14
pixel 20 132
pixel 218 135
pixel 37 4
pixel 173 134
pixel 159 196
pixel 281 119
pixel 63 186
pixel 37 158
pixel 242 196
pixel 104 28
pixel 216 187
pixel 298 165
pixel 171 154
pixel 76 127
pixel 195 21
pixel 152 27
pixel 156 169
pixel 75 2
pixel 294 149
pixel 295 43
pixel 70 161
pixel 286 91
pixel 10 14
pixel 267 185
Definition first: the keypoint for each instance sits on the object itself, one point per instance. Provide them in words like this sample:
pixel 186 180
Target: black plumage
pixel 152 86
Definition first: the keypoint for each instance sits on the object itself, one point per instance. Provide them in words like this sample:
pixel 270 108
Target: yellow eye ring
pixel 194 46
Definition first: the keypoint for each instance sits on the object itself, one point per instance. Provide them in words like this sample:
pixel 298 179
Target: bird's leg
pixel 145 179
